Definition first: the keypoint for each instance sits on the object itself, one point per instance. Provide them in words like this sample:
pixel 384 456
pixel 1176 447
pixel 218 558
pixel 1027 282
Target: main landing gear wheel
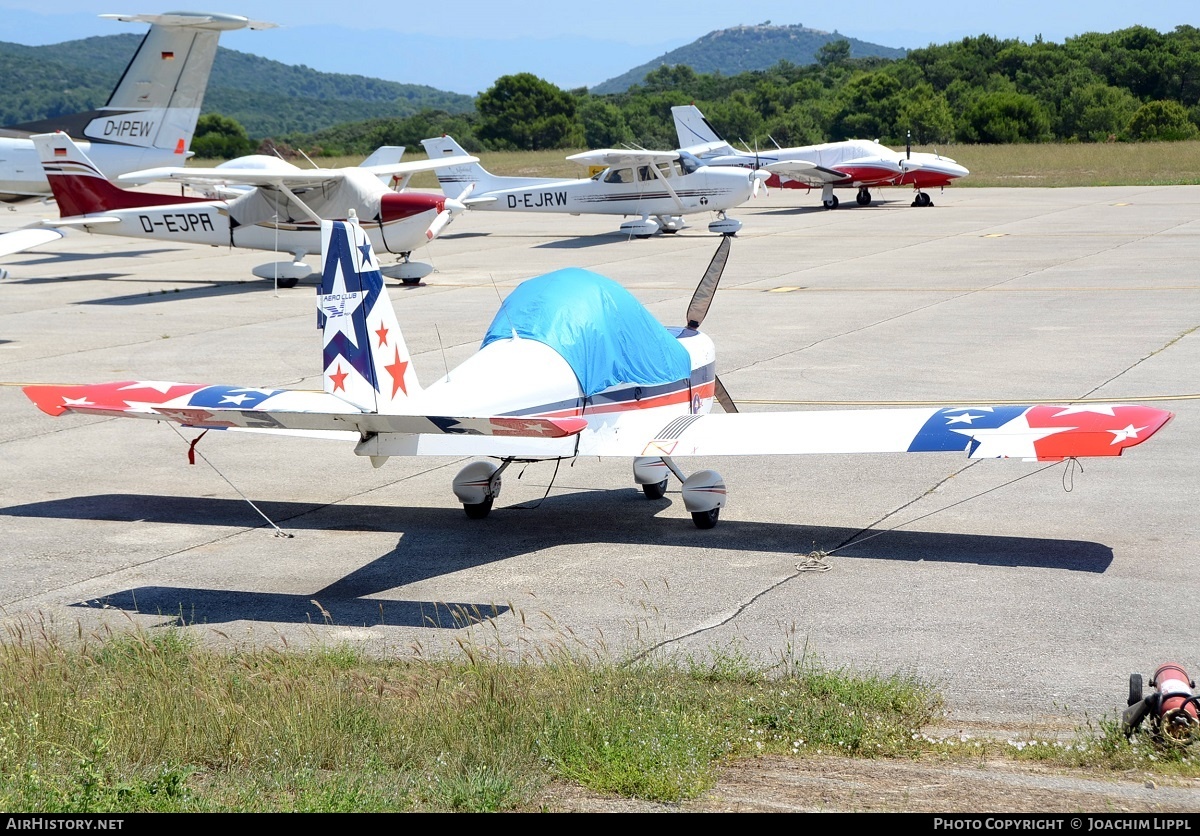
pixel 290 282
pixel 1135 689
pixel 410 282
pixel 922 199
pixel 479 510
pixel 706 519
pixel 864 197
pixel 656 490
pixel 832 203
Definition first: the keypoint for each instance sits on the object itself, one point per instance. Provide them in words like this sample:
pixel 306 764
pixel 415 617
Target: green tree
pixel 604 125
pixel 220 137
pixel 870 108
pixel 926 114
pixel 833 53
pixel 1004 116
pixel 1096 113
pixel 524 112
pixel 1161 121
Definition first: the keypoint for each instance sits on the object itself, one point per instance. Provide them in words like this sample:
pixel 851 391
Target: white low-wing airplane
pixel 658 187
pixel 281 212
pixel 854 163
pixel 573 365
pixel 149 118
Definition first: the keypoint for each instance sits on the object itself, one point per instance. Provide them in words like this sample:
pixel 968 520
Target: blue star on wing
pixel 939 432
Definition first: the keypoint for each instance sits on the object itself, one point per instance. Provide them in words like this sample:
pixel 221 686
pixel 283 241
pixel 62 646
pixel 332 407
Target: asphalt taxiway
pixel 1028 593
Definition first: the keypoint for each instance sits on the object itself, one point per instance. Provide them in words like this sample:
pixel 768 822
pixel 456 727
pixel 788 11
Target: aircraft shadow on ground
pixel 441 541
pixel 183 606
pixel 458 236
pixel 585 241
pixel 80 277
pixel 58 257
pixel 808 210
pixel 152 297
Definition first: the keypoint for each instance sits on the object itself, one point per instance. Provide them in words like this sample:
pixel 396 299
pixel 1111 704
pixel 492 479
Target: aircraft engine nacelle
pixel 477 483
pixel 641 228
pixel 725 226
pixel 704 491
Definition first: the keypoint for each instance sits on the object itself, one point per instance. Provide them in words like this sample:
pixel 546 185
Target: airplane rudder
pixel 364 356
pixel 78 186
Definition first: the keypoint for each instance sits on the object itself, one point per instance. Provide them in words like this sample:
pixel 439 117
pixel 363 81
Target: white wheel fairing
pixel 476 483
pixel 649 470
pixel 703 491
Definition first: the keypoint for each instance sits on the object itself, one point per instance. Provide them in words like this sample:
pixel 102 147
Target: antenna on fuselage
pixel 310 162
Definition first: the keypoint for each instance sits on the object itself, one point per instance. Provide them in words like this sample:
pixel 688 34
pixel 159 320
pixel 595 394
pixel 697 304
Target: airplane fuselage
pixel 496 381
pixel 863 162
pixel 711 189
pixel 406 217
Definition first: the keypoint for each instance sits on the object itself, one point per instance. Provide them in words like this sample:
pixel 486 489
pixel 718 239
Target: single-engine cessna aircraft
pixel 149 118
pixel 573 365
pixel 658 186
pixel 280 213
pixel 853 163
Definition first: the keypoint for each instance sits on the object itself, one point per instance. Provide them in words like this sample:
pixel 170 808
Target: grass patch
pixel 154 721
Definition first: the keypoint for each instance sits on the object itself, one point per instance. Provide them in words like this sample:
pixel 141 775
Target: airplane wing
pixel 1033 433
pixel 20 240
pixel 83 220
pixel 263 410
pixel 807 172
pixel 621 156
pixel 717 147
pixel 301 178
pixel 1041 433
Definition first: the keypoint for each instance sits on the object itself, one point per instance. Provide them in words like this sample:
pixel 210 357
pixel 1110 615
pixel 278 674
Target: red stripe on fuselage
pixel 681 396
pixel 79 194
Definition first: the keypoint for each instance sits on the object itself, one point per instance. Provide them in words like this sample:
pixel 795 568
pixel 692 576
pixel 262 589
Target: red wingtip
pixel 1103 431
pixel 49 399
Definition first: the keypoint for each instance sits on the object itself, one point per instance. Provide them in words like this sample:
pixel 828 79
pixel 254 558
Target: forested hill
pixel 745 48
pixel 267 97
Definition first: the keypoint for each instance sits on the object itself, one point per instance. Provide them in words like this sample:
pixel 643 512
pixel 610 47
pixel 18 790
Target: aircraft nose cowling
pixel 395 206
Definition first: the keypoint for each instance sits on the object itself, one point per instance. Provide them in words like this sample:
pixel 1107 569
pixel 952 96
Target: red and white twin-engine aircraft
pixel 859 164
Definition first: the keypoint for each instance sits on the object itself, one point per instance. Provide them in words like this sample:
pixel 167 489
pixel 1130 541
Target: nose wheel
pixel 922 199
pixel 703 492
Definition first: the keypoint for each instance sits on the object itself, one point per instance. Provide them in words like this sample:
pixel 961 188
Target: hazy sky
pixel 467 44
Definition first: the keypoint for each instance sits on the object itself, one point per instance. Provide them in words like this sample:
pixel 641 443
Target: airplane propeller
pixel 699 305
pixel 758 177
pixel 756 181
pixel 452 209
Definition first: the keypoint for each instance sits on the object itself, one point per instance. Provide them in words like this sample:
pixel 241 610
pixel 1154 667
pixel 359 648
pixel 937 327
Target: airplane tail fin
pixel 157 101
pixel 384 155
pixel 460 180
pixel 387 155
pixel 80 188
pixel 692 128
pixel 365 359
